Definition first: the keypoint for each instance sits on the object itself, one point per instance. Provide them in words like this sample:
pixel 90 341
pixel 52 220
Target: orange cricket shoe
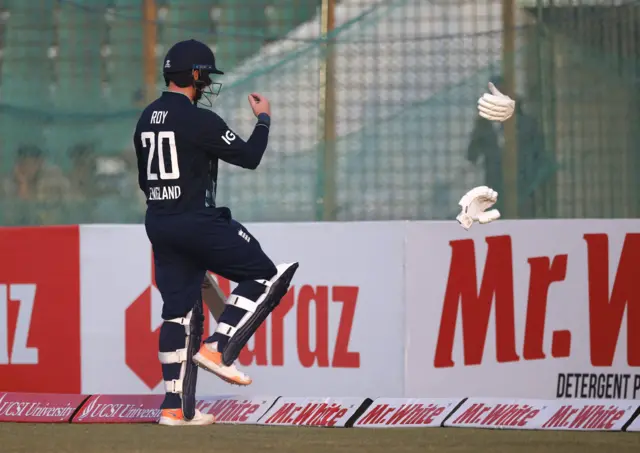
pixel 210 359
pixel 174 417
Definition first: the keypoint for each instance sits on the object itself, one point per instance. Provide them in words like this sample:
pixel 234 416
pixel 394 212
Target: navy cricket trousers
pixel 185 246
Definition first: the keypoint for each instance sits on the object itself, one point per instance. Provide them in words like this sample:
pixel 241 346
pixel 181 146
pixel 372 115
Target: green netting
pixel 405 75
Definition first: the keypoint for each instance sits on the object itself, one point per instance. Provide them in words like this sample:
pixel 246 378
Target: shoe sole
pixel 171 422
pixel 216 369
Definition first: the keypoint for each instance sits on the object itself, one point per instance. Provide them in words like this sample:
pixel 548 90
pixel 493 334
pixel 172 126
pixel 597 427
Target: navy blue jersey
pixel 178 146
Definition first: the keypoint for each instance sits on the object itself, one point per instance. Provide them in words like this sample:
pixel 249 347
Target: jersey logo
pixel 244 235
pixel 228 137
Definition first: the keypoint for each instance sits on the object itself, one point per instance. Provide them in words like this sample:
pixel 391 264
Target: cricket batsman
pixel 178 146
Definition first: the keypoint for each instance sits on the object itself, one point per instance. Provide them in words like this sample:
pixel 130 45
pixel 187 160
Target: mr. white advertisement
pixel 530 309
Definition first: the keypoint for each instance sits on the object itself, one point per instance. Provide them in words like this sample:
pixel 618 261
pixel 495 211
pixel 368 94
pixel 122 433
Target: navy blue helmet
pixel 190 63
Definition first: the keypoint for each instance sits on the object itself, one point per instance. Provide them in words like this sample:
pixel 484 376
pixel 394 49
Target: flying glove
pixel 496 106
pixel 474 206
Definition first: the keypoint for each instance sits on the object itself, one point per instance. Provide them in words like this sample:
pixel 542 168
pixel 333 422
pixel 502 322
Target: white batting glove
pixel 496 106
pixel 474 204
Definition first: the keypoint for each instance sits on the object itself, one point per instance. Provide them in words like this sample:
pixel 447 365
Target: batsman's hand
pixel 496 106
pixel 259 104
pixel 474 204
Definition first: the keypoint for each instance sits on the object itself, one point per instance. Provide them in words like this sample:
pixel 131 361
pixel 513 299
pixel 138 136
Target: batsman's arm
pixel 221 142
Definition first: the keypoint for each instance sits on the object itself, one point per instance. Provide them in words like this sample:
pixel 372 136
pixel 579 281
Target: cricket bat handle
pixel 212 296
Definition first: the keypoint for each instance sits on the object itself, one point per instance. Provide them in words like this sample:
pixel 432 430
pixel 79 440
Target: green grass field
pixel 43 438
